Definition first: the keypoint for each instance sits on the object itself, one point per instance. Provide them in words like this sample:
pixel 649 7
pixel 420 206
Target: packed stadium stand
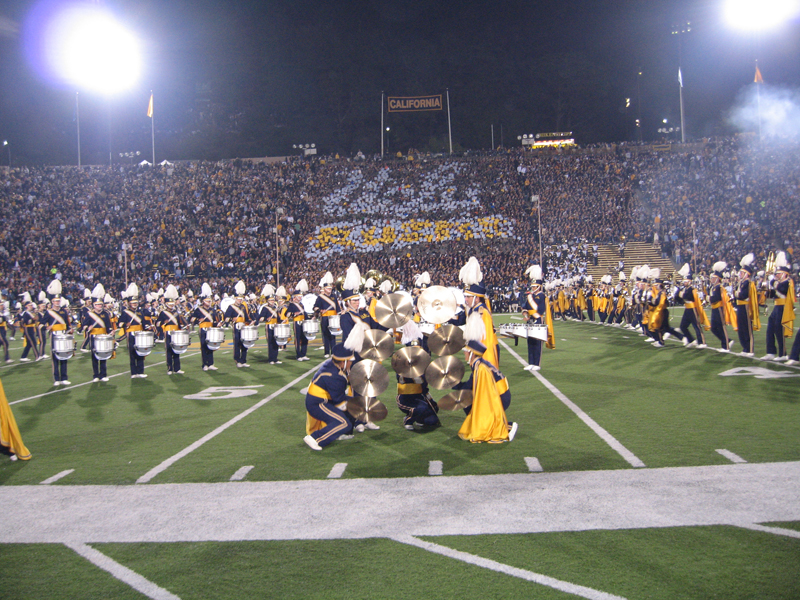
pixel 216 222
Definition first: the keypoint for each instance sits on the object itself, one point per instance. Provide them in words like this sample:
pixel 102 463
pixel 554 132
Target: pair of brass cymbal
pixel 367 409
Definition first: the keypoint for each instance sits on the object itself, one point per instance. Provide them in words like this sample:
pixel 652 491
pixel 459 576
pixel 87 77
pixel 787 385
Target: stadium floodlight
pixel 89 48
pixel 760 15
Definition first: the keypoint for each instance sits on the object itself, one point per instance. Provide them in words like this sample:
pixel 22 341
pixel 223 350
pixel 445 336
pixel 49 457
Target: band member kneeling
pixel 326 401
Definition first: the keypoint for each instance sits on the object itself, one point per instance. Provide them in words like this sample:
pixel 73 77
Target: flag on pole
pixel 150 107
pixel 758 78
pixel 680 77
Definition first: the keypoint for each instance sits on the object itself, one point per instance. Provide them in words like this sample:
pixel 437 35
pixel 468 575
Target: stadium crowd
pixel 216 222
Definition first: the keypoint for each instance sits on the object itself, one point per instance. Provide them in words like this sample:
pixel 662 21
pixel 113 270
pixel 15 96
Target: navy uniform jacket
pixel 330 385
pixel 347 321
pixel 49 319
pixel 206 318
pixel 133 320
pixel 233 314
pixel 94 322
pixel 534 302
pixel 327 306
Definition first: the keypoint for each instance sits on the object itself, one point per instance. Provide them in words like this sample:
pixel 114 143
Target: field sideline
pixel 685 446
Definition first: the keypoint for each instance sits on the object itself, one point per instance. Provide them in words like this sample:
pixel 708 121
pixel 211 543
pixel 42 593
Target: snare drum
pixel 143 342
pixel 215 337
pixel 63 345
pixel 103 346
pixel 249 335
pixel 538 332
pixel 333 325
pixel 310 329
pixel 281 332
pixel 179 340
pixel 519 330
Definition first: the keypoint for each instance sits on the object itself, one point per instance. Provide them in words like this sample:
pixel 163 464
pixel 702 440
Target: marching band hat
pixel 422 281
pixel 685 272
pixel 535 273
pixel 748 263
pixel 352 282
pixel 54 289
pixel 472 278
pixel 342 353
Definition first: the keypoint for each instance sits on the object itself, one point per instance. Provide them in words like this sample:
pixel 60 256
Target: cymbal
pixel 367 409
pixel 369 378
pixel 411 361
pixel 378 345
pixel 456 399
pixel 446 340
pixel 394 310
pixel 437 304
pixel 444 372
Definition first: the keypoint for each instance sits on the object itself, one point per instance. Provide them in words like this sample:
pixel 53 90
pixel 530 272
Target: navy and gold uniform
pixel 534 311
pixel 57 320
pixel 721 311
pixel 3 333
pixel 269 314
pixel 238 314
pixel 781 320
pixel 327 306
pixel 415 401
pixel 131 320
pixel 29 322
pixel 747 318
pixel 206 316
pixel 326 401
pixel 96 322
pixel 296 314
pixel 170 319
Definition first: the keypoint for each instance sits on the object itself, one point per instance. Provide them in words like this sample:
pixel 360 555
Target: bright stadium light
pixel 760 15
pixel 86 46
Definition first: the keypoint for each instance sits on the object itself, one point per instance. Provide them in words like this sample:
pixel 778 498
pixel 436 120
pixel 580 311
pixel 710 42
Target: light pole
pixel 538 201
pixel 278 211
pixel 387 139
pixel 7 145
pixel 694 248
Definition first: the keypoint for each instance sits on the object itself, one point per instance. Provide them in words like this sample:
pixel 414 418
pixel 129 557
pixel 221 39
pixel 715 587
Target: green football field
pixel 606 407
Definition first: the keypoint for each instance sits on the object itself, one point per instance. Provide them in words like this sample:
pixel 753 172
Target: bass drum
pixel 143 342
pixel 215 337
pixel 310 329
pixel 63 346
pixel 249 335
pixel 180 340
pixel 334 326
pixel 103 346
pixel 281 332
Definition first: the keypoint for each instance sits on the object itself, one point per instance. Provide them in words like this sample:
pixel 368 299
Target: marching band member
pixel 239 315
pixel 205 316
pixel 87 306
pixel 693 313
pixel 41 335
pixel 327 306
pixel 474 297
pixel 619 300
pixel 269 315
pixel 781 321
pixel 296 312
pixel 486 418
pixel 57 319
pixel 534 311
pixel 591 298
pixel 747 318
pixel 413 397
pixel 96 322
pixel 327 418
pixel 658 323
pixel 5 317
pixel 170 319
pixel 722 312
pixel 131 320
pixel 28 322
pixel 351 297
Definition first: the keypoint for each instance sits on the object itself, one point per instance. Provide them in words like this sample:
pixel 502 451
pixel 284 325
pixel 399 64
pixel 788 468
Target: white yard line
pixel 492 565
pixel 124 574
pixel 609 439
pixel 734 458
pixel 534 466
pixel 773 530
pixel 77 385
pixel 337 471
pixel 191 448
pixel 241 473
pixel 56 477
pixel 435 467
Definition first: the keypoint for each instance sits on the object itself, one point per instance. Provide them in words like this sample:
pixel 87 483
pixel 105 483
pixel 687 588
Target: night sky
pixel 246 78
